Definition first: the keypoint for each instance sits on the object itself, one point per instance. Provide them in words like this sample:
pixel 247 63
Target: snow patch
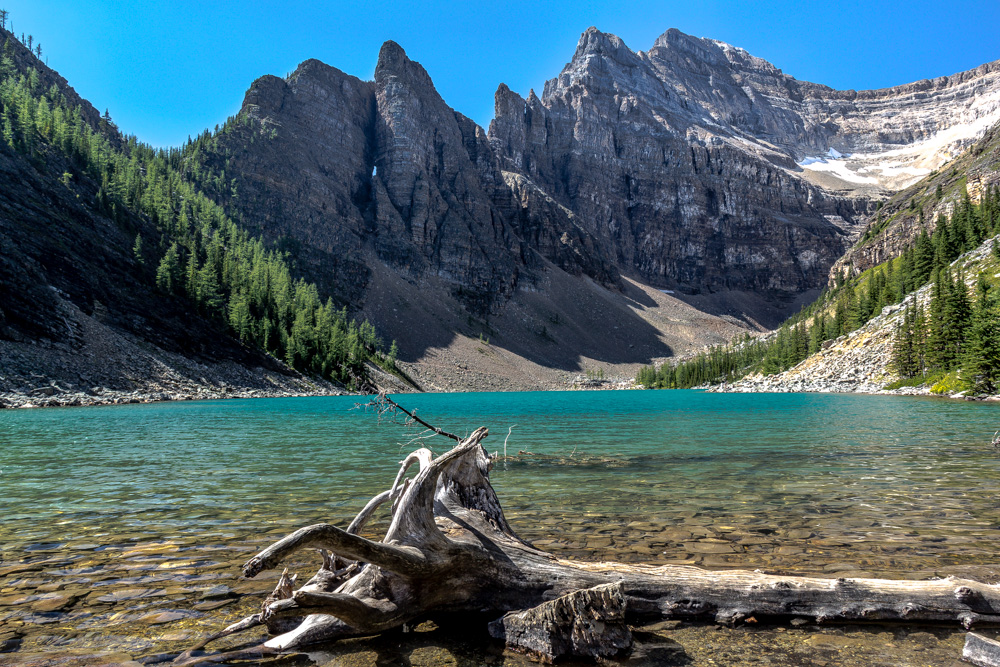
pixel 836 166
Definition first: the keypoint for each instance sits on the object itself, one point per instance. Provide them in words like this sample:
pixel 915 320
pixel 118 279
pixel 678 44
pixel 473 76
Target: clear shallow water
pixel 120 523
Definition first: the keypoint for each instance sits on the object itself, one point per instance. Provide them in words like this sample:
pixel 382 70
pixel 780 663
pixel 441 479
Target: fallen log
pixel 449 548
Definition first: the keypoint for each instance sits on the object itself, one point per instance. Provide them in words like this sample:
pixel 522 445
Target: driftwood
pixel 586 624
pixel 449 548
pixel 981 651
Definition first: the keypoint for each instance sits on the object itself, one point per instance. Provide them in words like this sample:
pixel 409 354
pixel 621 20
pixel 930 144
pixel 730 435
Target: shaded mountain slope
pixel 81 316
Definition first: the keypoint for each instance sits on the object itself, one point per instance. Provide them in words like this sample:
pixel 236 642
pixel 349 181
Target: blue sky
pixel 167 70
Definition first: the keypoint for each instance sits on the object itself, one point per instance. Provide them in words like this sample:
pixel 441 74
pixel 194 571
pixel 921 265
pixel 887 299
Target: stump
pixel 583 624
pixel 449 548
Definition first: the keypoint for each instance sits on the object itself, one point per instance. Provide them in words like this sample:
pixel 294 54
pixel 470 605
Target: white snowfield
pixel 902 167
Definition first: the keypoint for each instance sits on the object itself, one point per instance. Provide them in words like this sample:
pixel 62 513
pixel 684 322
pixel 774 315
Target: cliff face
pixel 345 172
pixel 693 168
pixel 709 169
pixel 625 140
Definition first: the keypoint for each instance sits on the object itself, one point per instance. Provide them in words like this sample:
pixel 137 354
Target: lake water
pixel 123 527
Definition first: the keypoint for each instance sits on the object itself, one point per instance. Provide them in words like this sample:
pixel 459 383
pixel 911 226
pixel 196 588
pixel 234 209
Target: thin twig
pixel 382 398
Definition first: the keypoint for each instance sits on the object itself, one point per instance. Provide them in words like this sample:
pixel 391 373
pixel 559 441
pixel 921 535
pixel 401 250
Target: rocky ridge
pixel 859 362
pixel 635 144
pixel 917 207
pixel 722 170
pixel 347 173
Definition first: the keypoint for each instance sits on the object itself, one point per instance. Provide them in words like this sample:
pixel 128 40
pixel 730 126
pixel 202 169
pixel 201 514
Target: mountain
pixel 646 205
pixel 708 169
pixel 82 318
pixel 398 206
pixel 914 307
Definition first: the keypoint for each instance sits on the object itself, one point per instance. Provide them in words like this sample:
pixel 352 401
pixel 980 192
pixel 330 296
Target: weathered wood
pixel 583 624
pixel 449 549
pixel 981 651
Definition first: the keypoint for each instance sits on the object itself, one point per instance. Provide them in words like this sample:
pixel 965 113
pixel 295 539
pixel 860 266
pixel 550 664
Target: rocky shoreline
pixel 54 396
pixel 859 362
pixel 108 367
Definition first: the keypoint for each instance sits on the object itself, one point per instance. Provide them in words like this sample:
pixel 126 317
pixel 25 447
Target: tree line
pixel 199 252
pixel 846 306
pixel 957 334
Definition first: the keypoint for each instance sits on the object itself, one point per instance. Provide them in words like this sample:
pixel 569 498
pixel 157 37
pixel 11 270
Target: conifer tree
pixel 904 356
pixel 937 343
pixel 137 249
pixel 923 258
pixel 981 367
pixel 958 314
pixel 169 270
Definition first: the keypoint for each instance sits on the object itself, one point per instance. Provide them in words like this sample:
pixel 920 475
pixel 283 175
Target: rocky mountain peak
pixel 594 42
pixel 601 60
pixel 395 66
pixel 704 51
pixel 265 97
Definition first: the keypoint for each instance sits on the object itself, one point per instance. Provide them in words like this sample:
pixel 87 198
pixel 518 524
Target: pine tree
pixel 923 259
pixel 981 367
pixel 904 356
pixel 137 249
pixel 937 344
pixel 169 270
pixel 208 291
pixel 920 339
pixel 959 315
pixel 393 355
pixel 240 319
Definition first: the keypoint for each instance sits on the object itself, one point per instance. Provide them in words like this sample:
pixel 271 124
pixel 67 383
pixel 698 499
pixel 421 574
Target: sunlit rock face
pixel 706 167
pixel 692 166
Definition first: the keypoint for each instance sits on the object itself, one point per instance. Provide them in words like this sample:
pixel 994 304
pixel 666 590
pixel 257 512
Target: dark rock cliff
pixel 343 171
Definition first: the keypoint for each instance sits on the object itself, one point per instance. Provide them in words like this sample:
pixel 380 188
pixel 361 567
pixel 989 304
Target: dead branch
pixel 406 561
pixel 384 405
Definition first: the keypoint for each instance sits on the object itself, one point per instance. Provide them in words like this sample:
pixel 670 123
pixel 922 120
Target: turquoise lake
pixel 121 523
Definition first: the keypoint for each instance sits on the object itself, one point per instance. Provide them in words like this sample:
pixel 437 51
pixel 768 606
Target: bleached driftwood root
pixel 449 549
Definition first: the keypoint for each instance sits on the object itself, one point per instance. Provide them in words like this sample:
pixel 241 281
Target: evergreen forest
pixel 198 252
pixel 956 333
